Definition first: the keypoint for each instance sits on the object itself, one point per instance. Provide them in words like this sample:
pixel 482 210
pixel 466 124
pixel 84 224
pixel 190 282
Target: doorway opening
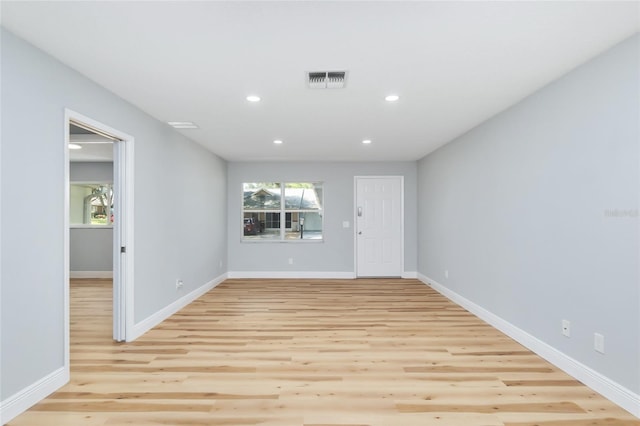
pixel 99 217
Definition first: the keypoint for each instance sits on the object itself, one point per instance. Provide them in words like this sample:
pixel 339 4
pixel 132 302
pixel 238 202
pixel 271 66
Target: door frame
pixel 123 225
pixel 355 218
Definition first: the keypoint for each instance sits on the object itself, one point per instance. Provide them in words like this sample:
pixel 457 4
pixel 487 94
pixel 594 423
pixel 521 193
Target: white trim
pixel 91 274
pixel 292 274
pixel 610 389
pixel 66 250
pixel 20 402
pixel 402 241
pixel 128 289
pixel 148 323
pixel 410 275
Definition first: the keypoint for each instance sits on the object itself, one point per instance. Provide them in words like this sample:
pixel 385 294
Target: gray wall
pixel 518 212
pixel 180 223
pixel 91 249
pixel 91 171
pixel 336 253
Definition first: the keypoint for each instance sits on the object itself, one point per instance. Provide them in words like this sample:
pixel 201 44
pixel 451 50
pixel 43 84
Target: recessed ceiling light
pixel 277 142
pixel 253 98
pixel 182 124
pixel 366 141
pixel 391 98
pixel 75 146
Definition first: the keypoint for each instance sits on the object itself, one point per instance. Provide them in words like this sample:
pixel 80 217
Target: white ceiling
pixel 454 64
pixel 94 148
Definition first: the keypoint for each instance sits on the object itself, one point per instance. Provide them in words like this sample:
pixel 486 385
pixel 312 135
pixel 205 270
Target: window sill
pixel 298 241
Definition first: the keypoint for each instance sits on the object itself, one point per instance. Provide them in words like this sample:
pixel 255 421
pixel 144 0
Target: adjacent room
pixel 320 213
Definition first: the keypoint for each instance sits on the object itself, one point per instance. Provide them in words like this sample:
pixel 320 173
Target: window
pixel 91 204
pixel 266 203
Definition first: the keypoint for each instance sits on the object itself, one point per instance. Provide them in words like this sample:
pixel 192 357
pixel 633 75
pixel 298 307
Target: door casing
pixel 123 227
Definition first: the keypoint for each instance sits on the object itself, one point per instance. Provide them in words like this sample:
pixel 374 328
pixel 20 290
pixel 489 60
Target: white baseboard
pixel 148 323
pixel 610 389
pixel 20 402
pixel 292 274
pixel 90 274
pixel 409 275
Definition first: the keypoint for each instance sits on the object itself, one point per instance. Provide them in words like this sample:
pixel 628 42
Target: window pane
pixel 303 196
pixel 91 204
pixel 261 196
pixel 303 201
pixel 308 227
pixel 261 210
pixel 261 226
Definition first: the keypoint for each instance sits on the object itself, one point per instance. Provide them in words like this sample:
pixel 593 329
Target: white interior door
pixel 379 226
pixel 119 242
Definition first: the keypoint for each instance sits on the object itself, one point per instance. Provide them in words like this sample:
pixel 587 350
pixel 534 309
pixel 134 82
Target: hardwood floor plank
pixel 528 407
pixel 374 352
pixel 119 407
pixel 156 395
pixel 586 422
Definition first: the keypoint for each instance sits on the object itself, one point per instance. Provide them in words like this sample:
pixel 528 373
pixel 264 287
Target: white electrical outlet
pixel 598 342
pixel 291 261
pixel 566 328
pixel 346 224
pixel 446 273
pixel 179 284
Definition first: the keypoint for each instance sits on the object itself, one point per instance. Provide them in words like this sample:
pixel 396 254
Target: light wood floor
pixel 307 352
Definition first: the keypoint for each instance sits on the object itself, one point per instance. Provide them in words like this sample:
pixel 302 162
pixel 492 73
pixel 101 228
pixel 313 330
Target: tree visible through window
pixel 91 204
pixel 266 203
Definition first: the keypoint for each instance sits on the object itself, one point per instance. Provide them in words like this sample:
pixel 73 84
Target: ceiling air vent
pixel 327 79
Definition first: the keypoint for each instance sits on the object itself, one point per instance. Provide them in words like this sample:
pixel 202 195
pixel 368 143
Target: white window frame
pixel 283 215
pixel 85 225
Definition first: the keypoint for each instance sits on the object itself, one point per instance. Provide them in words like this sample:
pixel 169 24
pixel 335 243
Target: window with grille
pixel 266 203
